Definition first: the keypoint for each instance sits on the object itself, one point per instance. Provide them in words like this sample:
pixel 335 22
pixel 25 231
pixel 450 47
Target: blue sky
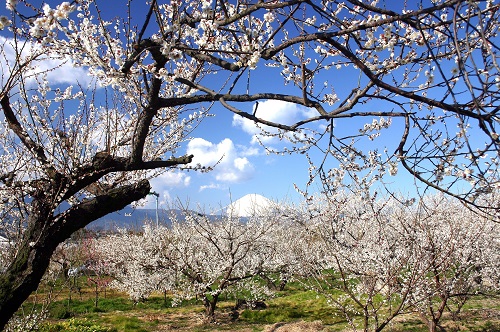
pixel 244 167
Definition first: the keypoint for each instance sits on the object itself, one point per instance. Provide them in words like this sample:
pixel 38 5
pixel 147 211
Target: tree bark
pixel 432 326
pixel 45 232
pixel 210 306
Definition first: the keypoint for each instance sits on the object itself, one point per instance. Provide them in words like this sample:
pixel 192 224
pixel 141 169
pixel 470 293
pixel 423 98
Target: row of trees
pixel 389 257
pixel 426 71
pixel 372 259
pixel 196 258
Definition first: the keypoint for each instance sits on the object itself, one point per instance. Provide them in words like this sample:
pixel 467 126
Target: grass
pixel 116 312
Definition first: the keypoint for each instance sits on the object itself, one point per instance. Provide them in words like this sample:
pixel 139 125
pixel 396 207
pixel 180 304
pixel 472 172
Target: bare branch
pixel 20 132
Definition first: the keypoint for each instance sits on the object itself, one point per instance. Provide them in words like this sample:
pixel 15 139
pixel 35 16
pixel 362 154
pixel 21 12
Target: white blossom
pixel 10 4
pixel 4 22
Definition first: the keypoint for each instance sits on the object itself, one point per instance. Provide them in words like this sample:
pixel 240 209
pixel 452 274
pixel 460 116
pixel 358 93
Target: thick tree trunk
pixel 432 326
pixel 210 306
pixel 21 279
pixel 45 232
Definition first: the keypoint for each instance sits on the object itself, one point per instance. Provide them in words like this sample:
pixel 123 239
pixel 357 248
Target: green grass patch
pixel 128 323
pixel 68 308
pixel 75 325
pixel 271 315
pixel 116 312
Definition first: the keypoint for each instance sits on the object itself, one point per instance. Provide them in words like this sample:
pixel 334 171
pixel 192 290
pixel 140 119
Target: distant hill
pixel 131 218
pixel 135 219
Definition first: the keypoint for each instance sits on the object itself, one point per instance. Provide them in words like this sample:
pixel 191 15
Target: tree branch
pixel 81 215
pixel 202 57
pixel 408 94
pixel 269 53
pixel 20 132
pixel 153 105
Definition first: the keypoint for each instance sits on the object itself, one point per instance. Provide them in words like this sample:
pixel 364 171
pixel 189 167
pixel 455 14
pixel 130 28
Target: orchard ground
pixel 294 309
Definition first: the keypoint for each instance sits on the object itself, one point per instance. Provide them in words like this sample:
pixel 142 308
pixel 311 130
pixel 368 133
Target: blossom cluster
pixel 48 22
pixel 4 22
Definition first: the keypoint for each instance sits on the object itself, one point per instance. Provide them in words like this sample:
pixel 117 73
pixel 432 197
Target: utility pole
pixel 154 193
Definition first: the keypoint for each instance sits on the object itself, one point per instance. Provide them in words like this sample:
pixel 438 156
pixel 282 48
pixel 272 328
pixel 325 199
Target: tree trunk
pixel 21 279
pixel 96 300
pixel 210 306
pixel 282 284
pixel 45 232
pixel 432 325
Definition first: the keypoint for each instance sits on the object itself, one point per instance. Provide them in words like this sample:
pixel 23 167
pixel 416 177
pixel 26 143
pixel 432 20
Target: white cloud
pixel 231 164
pixel 172 179
pixel 276 111
pixel 216 186
pixel 162 185
pixel 241 163
pixel 57 71
pixel 249 151
pixel 65 72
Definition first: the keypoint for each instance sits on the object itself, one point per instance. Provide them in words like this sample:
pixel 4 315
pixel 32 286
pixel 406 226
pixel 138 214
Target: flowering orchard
pixel 374 259
pixel 199 257
pixel 427 75
pixel 393 256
